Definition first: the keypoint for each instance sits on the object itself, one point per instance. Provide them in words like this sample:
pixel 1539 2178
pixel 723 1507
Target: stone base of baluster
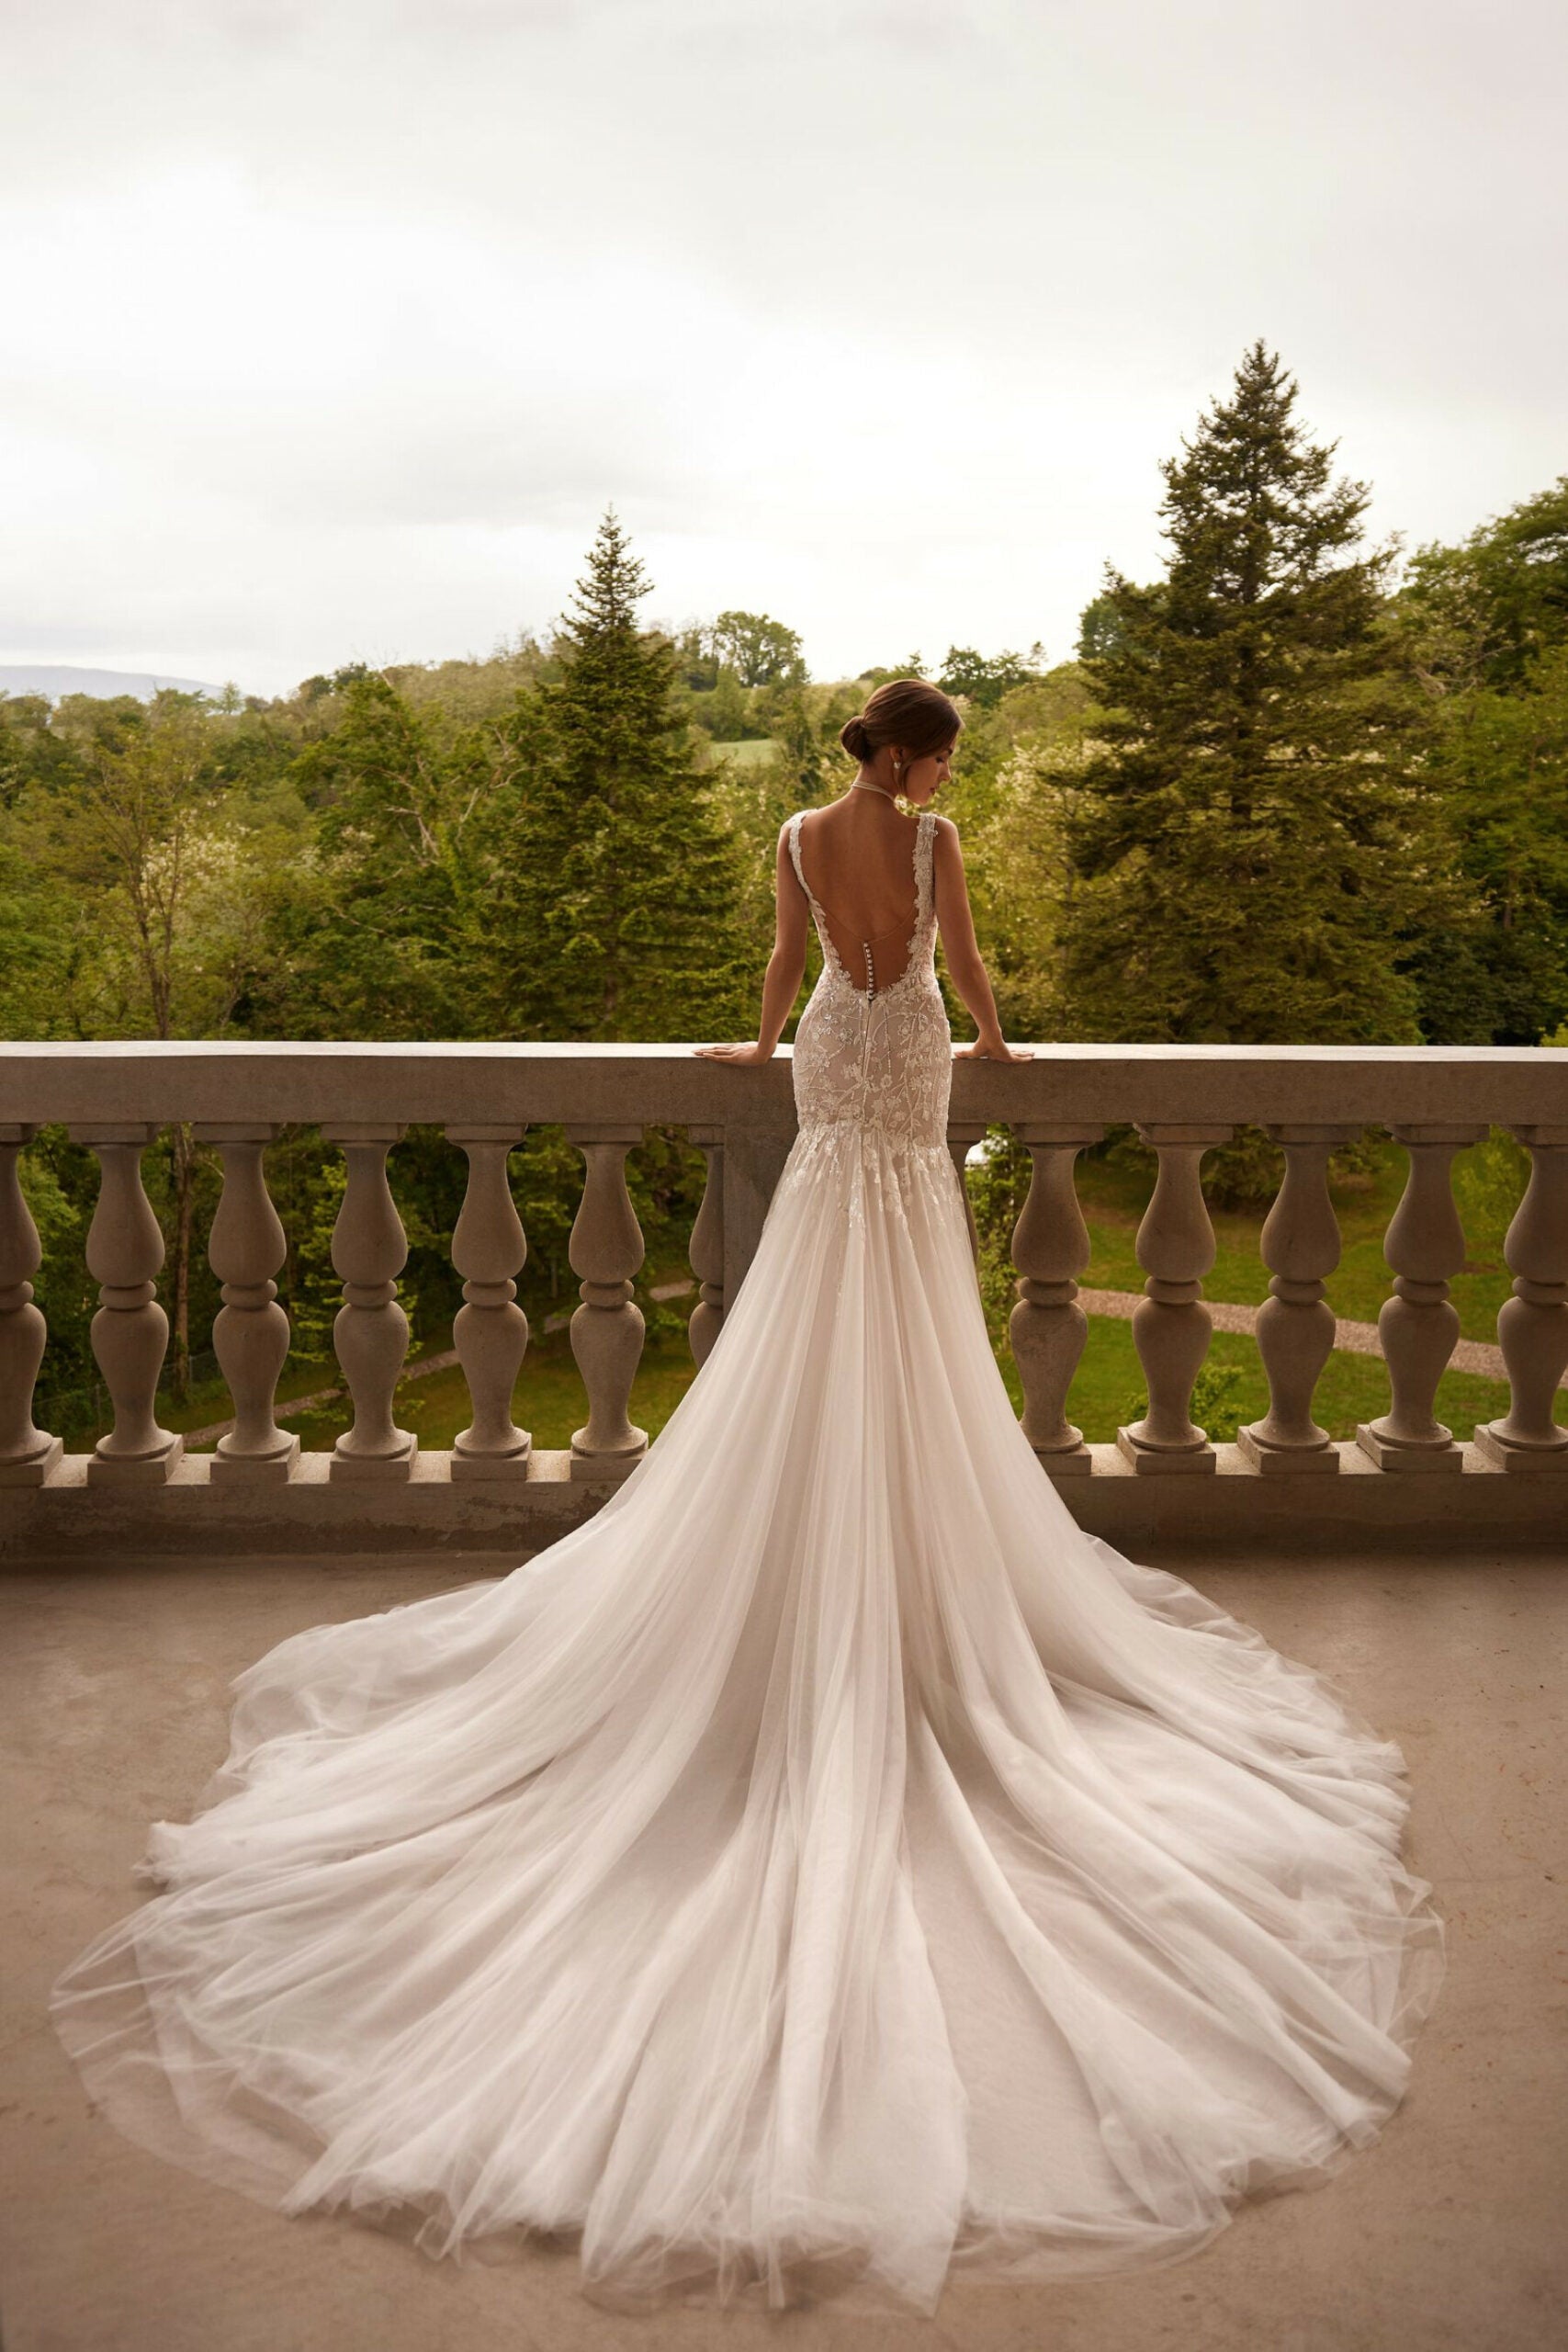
pixel 32 1469
pixel 258 1469
pixel 496 1467
pixel 1389 1455
pixel 375 1469
pixel 152 1469
pixel 1287 1461
pixel 1160 1461
pixel 611 1467
pixel 1527 1461
pixel 1067 1461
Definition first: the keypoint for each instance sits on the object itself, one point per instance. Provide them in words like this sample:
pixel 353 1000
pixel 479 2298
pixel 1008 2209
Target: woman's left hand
pixel 738 1057
pixel 983 1051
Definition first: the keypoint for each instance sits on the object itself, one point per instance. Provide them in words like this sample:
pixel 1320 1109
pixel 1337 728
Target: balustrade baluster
pixel 753 1161
pixel 961 1141
pixel 371 1333
pixel 250 1337
pixel 606 1251
pixel 1296 1324
pixel 1171 1326
pixel 488 1248
pixel 1419 1326
pixel 1532 1326
pixel 131 1330
pixel 707 1251
pixel 26 1455
pixel 1047 1327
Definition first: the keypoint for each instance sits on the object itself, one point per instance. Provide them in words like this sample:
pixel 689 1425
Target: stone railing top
pixel 147 1081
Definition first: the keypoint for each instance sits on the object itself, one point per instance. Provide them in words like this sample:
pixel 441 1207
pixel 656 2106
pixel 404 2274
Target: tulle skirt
pixel 826 1869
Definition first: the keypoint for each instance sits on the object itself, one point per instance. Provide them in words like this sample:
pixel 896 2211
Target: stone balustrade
pixel 140 1485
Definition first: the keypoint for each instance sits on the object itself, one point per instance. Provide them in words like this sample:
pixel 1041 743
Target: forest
pixel 1301 787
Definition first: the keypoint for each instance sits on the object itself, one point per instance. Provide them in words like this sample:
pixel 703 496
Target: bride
pixel 828 1867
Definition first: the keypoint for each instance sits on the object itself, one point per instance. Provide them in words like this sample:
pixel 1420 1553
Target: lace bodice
pixel 879 1057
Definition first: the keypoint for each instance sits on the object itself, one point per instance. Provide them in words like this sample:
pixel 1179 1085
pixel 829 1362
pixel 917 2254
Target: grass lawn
pixel 1113 1199
pixel 551 1403
pixel 1353 1388
pixel 549 1400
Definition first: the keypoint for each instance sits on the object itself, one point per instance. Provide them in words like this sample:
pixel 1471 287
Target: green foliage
pixel 1217 1407
pixel 610 910
pixel 1270 799
pixel 760 652
pixel 1487 625
pixel 984 679
pixel 1489 1180
pixel 379 935
pixel 1245 837
pixel 1487 611
pixel 998 1184
pixel 1012 808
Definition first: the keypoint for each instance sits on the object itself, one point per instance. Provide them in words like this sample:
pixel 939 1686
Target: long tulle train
pixel 825 1868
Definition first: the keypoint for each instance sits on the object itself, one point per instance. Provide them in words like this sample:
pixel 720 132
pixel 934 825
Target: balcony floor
pixel 1444 2237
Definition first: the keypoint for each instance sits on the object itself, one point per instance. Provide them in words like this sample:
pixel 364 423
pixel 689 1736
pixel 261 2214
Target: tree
pixel 386 924
pixel 1488 625
pixel 31 752
pixel 1100 629
pixel 173 899
pixel 614 888
pixel 760 652
pixel 984 679
pixel 791 712
pixel 913 666
pixel 1250 835
pixel 1488 610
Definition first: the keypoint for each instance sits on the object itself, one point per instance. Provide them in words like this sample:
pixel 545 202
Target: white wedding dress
pixel 824 1869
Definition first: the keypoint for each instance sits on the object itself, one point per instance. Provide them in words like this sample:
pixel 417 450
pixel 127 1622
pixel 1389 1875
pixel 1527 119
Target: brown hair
pixel 906 711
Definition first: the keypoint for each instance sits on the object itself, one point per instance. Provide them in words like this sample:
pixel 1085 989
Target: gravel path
pixel 1354 1339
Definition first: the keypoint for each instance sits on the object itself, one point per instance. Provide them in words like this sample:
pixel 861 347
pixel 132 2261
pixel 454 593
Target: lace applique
pixel 882 1059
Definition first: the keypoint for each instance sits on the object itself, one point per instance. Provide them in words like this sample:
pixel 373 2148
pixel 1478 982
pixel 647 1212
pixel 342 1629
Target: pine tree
pixel 1249 832
pixel 617 889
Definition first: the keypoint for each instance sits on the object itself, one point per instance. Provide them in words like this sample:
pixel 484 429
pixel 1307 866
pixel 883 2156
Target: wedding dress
pixel 825 1868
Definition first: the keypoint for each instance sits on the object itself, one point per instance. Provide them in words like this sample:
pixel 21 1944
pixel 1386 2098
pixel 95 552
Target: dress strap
pixel 792 828
pixel 925 843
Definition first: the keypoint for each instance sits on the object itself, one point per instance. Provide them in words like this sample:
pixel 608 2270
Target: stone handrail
pixel 1183 1099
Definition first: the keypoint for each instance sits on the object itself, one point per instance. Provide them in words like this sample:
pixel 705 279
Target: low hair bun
pixel 905 711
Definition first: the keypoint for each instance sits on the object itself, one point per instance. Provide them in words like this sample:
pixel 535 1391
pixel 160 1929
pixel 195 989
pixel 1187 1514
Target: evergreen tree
pixel 1249 834
pixel 616 888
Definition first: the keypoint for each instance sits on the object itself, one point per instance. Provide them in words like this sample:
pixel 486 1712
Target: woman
pixel 828 1866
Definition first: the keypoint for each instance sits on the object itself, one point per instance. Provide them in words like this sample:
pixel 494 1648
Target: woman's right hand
pixel 744 1056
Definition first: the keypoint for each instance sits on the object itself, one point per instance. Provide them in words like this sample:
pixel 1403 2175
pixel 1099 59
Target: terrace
pixel 1422 1569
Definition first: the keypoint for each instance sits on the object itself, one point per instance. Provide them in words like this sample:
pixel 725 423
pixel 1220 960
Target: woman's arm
pixel 962 954
pixel 786 966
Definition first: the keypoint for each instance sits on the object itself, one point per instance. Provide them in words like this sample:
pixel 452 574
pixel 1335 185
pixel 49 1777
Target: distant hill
pixel 57 679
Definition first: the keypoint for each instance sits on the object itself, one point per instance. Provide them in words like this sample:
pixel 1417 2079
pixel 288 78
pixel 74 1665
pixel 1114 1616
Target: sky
pixel 331 327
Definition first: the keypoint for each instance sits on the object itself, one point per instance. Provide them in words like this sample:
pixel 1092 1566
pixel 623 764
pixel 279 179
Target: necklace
pixel 905 807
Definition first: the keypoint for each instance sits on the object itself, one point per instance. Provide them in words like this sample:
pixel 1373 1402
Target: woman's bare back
pixel 858 857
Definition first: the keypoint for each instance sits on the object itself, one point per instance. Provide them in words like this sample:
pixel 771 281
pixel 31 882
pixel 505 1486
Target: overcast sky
pixel 329 326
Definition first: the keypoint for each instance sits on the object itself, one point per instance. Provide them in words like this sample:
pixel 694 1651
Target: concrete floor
pixel 1448 2234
